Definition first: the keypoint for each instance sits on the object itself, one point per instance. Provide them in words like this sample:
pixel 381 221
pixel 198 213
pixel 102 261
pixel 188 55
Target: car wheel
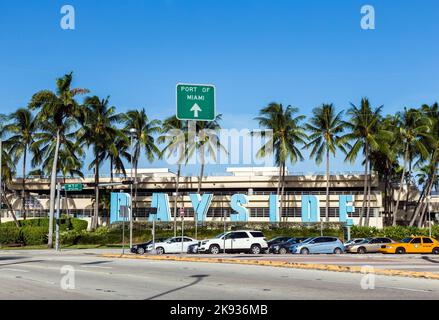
pixel 338 251
pixel 304 251
pixel 255 249
pixel 400 250
pixel 361 250
pixel 214 249
pixel 140 251
pixel 435 251
pixel 160 251
pixel 282 251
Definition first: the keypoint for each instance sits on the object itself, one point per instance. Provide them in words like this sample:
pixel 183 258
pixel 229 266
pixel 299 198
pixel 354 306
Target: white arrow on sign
pixel 196 109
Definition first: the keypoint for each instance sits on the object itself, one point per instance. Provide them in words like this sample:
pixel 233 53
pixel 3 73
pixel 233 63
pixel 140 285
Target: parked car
pixel 141 248
pixel 318 245
pixel 352 242
pixel 283 247
pixel 235 241
pixel 174 245
pixel 368 245
pixel 412 245
pixel 193 248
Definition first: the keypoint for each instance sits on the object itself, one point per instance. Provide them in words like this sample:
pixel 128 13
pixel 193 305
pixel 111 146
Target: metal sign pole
pixel 182 228
pixel 153 232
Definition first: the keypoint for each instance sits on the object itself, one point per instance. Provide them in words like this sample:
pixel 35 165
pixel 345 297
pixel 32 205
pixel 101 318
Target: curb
pixel 282 264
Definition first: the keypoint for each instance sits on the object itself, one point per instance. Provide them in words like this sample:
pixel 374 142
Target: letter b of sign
pixel 68 20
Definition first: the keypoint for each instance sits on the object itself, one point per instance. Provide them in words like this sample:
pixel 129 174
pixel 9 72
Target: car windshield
pixel 308 240
pixel 367 240
pixel 406 240
pixel 219 236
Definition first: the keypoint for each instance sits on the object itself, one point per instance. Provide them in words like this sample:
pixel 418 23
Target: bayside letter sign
pixel 238 202
pixel 196 102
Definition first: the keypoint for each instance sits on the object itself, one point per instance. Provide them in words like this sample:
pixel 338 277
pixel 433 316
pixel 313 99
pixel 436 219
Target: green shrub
pixel 34 235
pixel 10 235
pixel 79 225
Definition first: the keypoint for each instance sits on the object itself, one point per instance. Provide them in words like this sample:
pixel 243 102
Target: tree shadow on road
pixel 429 259
pixel 18 263
pixel 198 277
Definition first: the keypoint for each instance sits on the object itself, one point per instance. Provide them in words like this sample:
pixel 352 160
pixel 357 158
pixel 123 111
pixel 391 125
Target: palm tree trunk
pixel 424 207
pixel 11 211
pixel 94 224
pixel 282 199
pixel 407 199
pixel 53 189
pixel 369 185
pixel 365 184
pixel 420 208
pixel 177 186
pixel 395 213
pixel 23 189
pixel 327 186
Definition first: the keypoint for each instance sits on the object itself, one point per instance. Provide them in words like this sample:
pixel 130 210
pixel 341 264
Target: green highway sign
pixel 73 187
pixel 196 102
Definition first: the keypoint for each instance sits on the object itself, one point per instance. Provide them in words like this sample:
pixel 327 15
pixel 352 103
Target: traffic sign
pixel 196 102
pixel 73 187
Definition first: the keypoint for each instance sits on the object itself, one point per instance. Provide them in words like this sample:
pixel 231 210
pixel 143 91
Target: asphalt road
pixel 37 275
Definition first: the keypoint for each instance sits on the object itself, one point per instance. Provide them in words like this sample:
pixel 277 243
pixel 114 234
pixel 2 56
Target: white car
pixel 235 241
pixel 173 245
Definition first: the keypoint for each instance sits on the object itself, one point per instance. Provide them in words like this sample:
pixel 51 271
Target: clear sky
pixel 298 52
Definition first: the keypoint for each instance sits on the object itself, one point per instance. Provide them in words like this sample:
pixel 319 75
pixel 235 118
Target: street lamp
pixel 132 133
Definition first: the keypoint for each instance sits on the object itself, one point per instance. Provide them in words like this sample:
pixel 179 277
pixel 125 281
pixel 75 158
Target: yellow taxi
pixel 412 245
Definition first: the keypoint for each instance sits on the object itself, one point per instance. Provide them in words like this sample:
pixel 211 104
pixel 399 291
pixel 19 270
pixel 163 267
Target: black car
pixel 193 249
pixel 278 240
pixel 282 247
pixel 142 247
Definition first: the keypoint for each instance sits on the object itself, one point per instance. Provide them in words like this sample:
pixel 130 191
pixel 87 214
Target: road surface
pixel 37 275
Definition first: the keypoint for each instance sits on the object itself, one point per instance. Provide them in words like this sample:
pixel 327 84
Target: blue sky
pixel 298 52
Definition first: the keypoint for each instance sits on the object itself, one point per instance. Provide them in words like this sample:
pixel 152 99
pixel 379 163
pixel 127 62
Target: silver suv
pixel 235 241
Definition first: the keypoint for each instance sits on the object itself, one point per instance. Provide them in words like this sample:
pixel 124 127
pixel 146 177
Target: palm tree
pixel 432 144
pixel 7 171
pixel 57 107
pixel 117 152
pixel 288 134
pixel 174 138
pixel 325 129
pixel 384 161
pixel 22 129
pixel 99 128
pixel 412 128
pixel 365 131
pixel 143 139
